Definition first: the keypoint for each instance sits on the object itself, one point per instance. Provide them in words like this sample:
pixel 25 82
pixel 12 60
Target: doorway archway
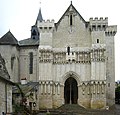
pixel 70 91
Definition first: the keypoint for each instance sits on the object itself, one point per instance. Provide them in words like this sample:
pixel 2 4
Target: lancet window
pixel 31 63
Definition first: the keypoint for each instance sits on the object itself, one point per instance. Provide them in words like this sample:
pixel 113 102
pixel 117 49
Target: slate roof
pixel 39 17
pixel 8 39
pixel 29 42
pixel 26 87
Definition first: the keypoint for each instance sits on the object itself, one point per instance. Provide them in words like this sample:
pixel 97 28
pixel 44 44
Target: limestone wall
pixel 110 64
pixel 11 56
pixel 25 64
pixel 66 35
pixel 5 97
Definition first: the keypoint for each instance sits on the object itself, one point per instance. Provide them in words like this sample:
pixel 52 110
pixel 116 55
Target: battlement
pixel 47 23
pixel 45 48
pixel 111 30
pixel 98 21
pixel 98 24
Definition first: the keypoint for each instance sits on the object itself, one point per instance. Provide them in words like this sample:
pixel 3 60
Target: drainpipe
pixel 6 97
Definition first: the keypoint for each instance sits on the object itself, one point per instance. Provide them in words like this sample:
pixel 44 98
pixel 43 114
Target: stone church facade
pixel 73 60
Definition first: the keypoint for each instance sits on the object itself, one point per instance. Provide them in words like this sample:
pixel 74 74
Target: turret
pixel 34 32
pixel 97 28
pixel 39 17
pixel 98 24
pixel 46 32
pixel 34 28
pixel 111 30
pixel 45 25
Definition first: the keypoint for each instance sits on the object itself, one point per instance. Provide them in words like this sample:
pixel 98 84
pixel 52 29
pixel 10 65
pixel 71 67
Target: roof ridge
pixel 8 38
pixel 71 5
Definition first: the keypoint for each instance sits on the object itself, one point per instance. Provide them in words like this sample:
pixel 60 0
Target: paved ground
pixel 77 110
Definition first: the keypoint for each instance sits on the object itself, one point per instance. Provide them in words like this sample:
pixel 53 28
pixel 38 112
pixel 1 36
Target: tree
pixel 117 95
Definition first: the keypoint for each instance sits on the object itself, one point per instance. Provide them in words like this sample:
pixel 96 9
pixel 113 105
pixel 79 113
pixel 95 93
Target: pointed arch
pixel 70 74
pixel 71 91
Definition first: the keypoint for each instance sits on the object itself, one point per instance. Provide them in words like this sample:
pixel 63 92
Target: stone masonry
pixel 73 60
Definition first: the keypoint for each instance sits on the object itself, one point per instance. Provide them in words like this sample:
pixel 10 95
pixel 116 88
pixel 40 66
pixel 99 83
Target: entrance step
pixel 71 108
pixel 67 109
pixel 74 109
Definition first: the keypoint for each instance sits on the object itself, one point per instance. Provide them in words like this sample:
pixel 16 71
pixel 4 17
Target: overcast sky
pixel 19 15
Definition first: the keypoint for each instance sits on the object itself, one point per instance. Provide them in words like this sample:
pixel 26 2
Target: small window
pixel 73 60
pixel 12 62
pixel 0 66
pixel 33 37
pixel 34 33
pixel 71 20
pixel 97 40
pixel 68 50
pixel 94 27
pixel 108 84
pixel 45 27
pixel 69 60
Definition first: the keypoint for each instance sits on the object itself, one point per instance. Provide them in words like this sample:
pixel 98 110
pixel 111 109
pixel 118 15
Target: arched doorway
pixel 70 91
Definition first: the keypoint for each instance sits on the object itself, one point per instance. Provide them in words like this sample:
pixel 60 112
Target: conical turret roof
pixel 39 17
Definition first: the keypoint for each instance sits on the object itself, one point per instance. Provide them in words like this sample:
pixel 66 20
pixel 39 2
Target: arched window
pixel 97 40
pixel 34 33
pixel 12 62
pixel 68 50
pixel 71 20
pixel 31 63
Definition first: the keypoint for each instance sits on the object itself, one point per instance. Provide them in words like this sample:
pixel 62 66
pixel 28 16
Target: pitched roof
pixel 39 17
pixel 8 39
pixel 68 9
pixel 29 42
pixel 30 86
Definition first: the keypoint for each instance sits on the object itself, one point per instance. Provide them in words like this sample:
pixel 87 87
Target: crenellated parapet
pixel 98 24
pixel 111 30
pixel 46 25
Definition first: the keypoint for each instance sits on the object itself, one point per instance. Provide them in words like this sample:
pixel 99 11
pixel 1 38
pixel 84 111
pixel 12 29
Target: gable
pixel 71 29
pixel 71 10
pixel 8 39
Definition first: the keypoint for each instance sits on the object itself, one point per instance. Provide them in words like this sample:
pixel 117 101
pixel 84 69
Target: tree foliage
pixel 117 89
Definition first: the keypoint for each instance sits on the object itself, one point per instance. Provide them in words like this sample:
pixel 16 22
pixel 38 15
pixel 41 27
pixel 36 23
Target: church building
pixel 73 60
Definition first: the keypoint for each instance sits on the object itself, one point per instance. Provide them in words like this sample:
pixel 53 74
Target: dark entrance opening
pixel 71 91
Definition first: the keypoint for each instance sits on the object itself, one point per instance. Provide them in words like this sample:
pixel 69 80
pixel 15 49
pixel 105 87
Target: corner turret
pixel 98 24
pixel 34 28
pixel 34 32
pixel 46 32
pixel 45 25
pixel 111 30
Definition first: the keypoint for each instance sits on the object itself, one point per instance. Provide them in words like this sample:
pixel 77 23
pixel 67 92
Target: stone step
pixel 71 107
pixel 67 109
pixel 74 109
